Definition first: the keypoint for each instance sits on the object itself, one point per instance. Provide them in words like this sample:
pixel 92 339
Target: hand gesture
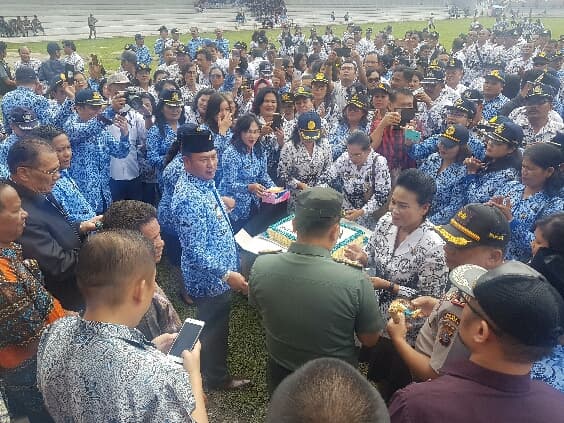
pixel 266 129
pixel 473 165
pixel 229 203
pixel 503 204
pixel 257 189
pixel 279 136
pixel 191 359
pixel 424 97
pixel 224 123
pixel 425 303
pixel 354 214
pixel 238 283
pixel 70 91
pixel 91 224
pixel 164 342
pixel 356 253
pixel 397 330
pixel 390 118
pixel 122 124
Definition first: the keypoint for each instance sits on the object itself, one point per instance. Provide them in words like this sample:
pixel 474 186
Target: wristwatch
pixel 225 277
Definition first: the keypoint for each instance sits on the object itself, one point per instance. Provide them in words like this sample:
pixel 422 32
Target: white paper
pixel 256 245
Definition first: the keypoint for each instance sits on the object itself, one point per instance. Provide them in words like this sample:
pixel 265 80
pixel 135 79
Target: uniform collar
pixel 200 182
pixel 309 250
pixel 499 381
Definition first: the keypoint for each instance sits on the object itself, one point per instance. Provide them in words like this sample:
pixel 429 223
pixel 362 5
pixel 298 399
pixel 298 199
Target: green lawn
pixel 109 49
pixel 247 346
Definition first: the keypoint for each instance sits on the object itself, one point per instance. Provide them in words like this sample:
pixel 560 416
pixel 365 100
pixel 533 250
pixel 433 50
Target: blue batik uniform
pixel 483 185
pixel 157 147
pixel 170 176
pixel 4 148
pixel 422 150
pixel 208 246
pixel 220 143
pixel 449 197
pixel 338 138
pixel 551 369
pixel 223 47
pixel 239 171
pixel 67 193
pixel 492 107
pixel 94 84
pixel 159 49
pixel 526 212
pixel 194 45
pixel 26 97
pixel 92 147
pixel 143 55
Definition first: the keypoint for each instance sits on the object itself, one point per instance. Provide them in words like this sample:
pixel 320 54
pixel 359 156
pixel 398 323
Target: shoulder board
pixel 348 262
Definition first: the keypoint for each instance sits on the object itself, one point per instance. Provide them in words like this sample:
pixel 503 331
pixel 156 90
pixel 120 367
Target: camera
pixel 133 100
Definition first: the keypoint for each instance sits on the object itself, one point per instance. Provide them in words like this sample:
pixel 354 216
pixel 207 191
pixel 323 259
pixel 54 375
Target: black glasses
pixel 373 80
pixel 51 173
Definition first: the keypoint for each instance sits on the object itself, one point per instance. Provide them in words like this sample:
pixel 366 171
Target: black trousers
pixel 275 374
pixel 215 312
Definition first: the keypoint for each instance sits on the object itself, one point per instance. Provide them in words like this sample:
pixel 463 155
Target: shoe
pixel 233 384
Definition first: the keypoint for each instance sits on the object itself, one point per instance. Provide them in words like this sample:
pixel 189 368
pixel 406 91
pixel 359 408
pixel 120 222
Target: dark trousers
pixel 275 374
pixel 215 312
pixel 173 249
pixel 387 368
pixel 21 393
pixel 126 190
pixel 150 193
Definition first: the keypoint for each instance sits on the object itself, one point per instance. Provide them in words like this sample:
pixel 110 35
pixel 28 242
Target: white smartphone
pixel 186 339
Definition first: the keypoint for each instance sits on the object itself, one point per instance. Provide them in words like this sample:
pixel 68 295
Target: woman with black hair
pixel 501 165
pixel 265 106
pixel 406 258
pixel 539 194
pixel 245 177
pixel 196 112
pixel 158 76
pixel 548 259
pixel 189 84
pixel 305 158
pixel 355 118
pixel 218 120
pixel 169 114
pixel 363 177
pixel 447 169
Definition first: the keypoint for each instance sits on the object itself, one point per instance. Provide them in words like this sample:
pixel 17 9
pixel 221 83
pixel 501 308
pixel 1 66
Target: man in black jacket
pixel 49 236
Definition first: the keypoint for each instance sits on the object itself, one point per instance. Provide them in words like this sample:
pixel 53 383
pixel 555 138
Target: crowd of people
pixel 451 158
pixel 18 27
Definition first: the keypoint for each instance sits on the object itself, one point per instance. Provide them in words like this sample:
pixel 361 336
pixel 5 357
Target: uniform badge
pixel 448 326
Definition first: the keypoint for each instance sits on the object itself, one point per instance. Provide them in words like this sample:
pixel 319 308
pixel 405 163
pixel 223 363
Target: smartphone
pixel 278 63
pixel 235 53
pixel 407 115
pixel 250 83
pixel 412 135
pixel 69 73
pixel 343 52
pixel 276 121
pixel 186 339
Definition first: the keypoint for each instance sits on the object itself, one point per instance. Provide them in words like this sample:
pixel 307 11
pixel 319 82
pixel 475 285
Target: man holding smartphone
pixel 98 367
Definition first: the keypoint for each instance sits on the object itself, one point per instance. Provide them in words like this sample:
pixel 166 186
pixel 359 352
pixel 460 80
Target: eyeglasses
pixel 373 80
pixel 466 300
pixel 51 173
pixel 215 76
pixel 253 132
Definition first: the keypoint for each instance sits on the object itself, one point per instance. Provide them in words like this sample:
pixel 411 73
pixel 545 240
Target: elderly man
pixel 335 301
pixel 511 318
pixel 26 60
pixel 25 95
pixel 48 237
pixel 210 261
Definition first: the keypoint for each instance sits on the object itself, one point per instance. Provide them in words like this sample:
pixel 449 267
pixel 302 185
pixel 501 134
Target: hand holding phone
pixel 276 121
pixel 186 339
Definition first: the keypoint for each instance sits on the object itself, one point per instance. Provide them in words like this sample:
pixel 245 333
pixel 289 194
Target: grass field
pixel 109 49
pixel 247 345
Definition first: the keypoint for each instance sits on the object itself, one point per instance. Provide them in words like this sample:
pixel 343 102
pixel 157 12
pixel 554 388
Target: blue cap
pixel 309 125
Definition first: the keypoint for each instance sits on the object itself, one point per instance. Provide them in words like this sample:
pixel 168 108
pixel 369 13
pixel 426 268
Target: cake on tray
pixel 281 233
